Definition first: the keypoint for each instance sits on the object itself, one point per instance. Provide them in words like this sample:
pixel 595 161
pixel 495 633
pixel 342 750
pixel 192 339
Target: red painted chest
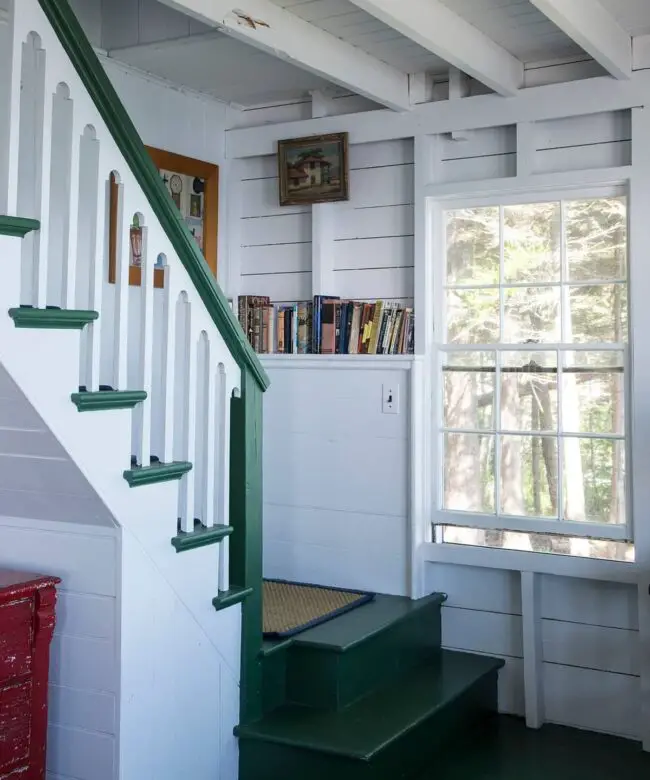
pixel 27 603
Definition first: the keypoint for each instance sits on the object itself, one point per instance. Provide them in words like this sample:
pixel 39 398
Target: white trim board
pixel 554 101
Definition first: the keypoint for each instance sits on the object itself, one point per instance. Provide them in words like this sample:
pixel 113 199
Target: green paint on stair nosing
pixel 107 399
pixel 18 227
pixel 201 536
pixel 159 472
pixel 227 598
pixel 59 319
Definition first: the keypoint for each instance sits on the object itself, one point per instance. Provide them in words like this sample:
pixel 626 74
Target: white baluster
pixel 97 263
pixel 166 416
pixel 224 564
pixel 188 480
pixel 30 159
pixel 142 412
pixel 60 196
pixel 184 389
pixel 223 478
pixel 6 97
pixel 73 227
pixel 205 422
pixel 15 83
pixel 42 237
pixel 122 292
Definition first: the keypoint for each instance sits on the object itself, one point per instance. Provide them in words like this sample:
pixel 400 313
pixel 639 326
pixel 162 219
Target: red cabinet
pixel 27 603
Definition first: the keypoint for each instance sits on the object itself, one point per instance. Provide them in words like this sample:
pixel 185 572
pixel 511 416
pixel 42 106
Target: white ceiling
pixel 159 40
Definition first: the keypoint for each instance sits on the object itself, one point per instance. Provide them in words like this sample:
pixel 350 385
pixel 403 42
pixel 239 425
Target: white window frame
pixel 436 210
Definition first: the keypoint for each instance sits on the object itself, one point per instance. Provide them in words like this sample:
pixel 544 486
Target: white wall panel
pixel 592 647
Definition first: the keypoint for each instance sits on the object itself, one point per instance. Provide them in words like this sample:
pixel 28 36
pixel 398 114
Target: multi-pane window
pixel 533 351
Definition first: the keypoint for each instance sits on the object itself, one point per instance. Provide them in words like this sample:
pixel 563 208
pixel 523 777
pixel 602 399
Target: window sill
pixel 540 563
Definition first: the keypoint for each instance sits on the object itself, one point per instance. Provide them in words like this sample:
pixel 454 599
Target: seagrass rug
pixel 292 607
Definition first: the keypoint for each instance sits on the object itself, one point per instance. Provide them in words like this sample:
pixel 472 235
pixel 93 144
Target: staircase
pixel 369 695
pixel 155 393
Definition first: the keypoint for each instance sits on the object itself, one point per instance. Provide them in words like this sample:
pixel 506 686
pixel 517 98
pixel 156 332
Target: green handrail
pixel 90 70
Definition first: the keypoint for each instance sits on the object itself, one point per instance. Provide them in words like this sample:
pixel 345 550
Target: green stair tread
pixel 56 319
pixel 273 646
pixel 201 536
pixel 358 625
pixel 103 400
pixel 228 598
pixel 371 724
pixel 157 472
pixel 17 226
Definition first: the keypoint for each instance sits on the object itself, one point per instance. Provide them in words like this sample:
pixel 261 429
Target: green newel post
pixel 246 540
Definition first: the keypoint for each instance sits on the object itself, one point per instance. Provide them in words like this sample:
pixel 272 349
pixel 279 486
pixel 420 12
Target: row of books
pixel 327 326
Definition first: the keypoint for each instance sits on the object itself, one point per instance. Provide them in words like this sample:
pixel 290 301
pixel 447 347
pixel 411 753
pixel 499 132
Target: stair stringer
pixel 155 580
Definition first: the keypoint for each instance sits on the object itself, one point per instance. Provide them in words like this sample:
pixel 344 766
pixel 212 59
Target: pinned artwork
pixel 313 169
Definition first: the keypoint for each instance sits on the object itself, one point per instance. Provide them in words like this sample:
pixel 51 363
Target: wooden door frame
pixel 187 166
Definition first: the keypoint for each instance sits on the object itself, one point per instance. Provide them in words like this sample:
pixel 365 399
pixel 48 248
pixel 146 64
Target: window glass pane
pixel 472 316
pixel 593 392
pixel 531 314
pixel 528 481
pixel 473 246
pixel 596 239
pixel 468 390
pixel 531 236
pixel 598 313
pixel 578 546
pixel 469 472
pixel 528 391
pixel 594 480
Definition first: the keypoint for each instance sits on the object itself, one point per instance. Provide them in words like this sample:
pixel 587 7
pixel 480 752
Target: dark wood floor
pixel 507 750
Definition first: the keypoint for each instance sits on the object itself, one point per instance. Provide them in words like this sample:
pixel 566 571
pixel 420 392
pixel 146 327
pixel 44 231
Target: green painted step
pixel 200 537
pixel 338 662
pixel 227 598
pixel 389 735
pixel 17 226
pixel 157 472
pixel 102 400
pixel 52 318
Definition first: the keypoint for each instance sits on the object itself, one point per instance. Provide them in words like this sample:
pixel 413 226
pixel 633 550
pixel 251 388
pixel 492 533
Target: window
pixel 532 359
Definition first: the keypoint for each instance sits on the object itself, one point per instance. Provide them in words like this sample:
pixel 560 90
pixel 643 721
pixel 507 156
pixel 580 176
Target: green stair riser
pixel 52 319
pixel 201 537
pixel 17 227
pixel 107 399
pixel 151 475
pixel 231 597
pixel 318 677
pixel 403 759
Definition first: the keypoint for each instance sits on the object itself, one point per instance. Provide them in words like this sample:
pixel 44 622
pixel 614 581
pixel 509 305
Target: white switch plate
pixel 390 399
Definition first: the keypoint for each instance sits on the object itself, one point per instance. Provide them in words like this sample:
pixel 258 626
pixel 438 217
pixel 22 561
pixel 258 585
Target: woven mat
pixel 291 607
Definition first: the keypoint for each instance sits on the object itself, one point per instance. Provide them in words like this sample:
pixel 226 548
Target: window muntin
pixel 532 359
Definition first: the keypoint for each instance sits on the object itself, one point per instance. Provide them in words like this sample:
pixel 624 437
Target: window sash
pixel 497 521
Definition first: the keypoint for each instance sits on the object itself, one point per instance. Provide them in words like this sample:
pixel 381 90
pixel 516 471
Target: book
pixel 327 325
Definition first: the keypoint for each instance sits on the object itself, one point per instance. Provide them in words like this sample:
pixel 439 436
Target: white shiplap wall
pixel 337 469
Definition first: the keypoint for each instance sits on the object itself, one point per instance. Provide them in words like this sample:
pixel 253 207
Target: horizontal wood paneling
pixel 389 221
pixel 381 186
pixel 589 601
pixel 485 632
pixel 260 199
pixel 278 286
pixel 385 283
pixel 588 699
pixel 85 615
pixel 82 709
pixel 591 647
pixel 373 253
pixel 80 754
pixel 282 229
pixel 341 549
pixel 276 259
pixel 468 587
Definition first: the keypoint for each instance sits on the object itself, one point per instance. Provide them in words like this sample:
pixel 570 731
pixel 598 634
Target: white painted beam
pixel 443 32
pixel 270 28
pixel 595 30
pixel 641 52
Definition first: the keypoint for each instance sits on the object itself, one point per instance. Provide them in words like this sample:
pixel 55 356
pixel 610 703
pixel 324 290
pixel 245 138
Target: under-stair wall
pixel 137 388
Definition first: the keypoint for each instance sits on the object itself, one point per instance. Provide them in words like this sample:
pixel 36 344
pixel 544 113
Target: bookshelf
pixel 327 325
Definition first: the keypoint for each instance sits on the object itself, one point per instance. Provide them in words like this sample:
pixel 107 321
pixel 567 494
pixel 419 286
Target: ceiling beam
pixel 595 30
pixel 270 28
pixel 443 32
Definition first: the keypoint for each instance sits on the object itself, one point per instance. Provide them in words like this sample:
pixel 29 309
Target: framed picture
pixel 313 170
pixel 194 187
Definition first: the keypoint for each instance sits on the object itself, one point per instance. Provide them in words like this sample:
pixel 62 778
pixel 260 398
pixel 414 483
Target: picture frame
pixel 194 187
pixel 313 169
